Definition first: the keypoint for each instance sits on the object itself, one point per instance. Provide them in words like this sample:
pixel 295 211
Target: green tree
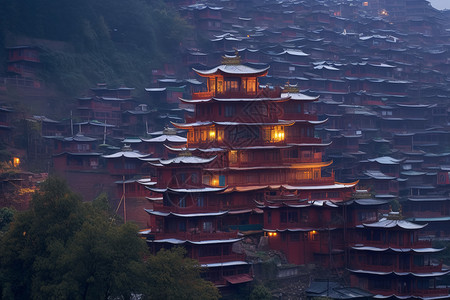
pixel 6 217
pixel 173 276
pixel 260 292
pixel 63 248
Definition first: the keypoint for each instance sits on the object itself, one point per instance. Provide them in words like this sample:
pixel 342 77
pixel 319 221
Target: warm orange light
pixel 272 234
pixel 16 161
pixel 313 232
pixel 384 13
pixel 215 182
pixel 212 134
pixel 366 3
pixel 278 135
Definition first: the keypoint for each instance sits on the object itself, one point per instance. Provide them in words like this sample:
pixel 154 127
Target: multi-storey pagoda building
pixel 250 161
pixel 391 262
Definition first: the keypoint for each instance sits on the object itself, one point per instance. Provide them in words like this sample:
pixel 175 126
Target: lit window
pixel 212 134
pixel 212 84
pixel 220 134
pixel 274 134
pixel 366 3
pixel 232 156
pixel 251 85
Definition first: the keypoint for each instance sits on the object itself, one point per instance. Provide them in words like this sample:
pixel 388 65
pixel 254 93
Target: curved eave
pixel 336 185
pixel 197 101
pixel 209 123
pixel 194 190
pixel 163 139
pixel 417 250
pixel 154 199
pixel 311 122
pixel 431 274
pixel 225 264
pixel 190 125
pixel 78 154
pixel 293 166
pixel 303 229
pixel 186 160
pixel 387 224
pixel 183 149
pixel 131 154
pixel 300 97
pixel 246 188
pixel 304 204
pixel 205 242
pixel 235 70
pixel 310 145
pixel 191 215
pixel 414 296
pixel 146 181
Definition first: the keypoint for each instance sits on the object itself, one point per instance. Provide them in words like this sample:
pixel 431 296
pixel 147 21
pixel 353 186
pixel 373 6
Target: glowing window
pixel 232 156
pixel 274 134
pixel 212 84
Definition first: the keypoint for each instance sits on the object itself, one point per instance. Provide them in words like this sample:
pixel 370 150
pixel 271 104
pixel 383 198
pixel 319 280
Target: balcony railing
pixel 395 244
pixel 416 292
pixel 238 94
pixel 202 95
pixel 194 236
pixel 396 268
pixel 185 210
pixel 222 258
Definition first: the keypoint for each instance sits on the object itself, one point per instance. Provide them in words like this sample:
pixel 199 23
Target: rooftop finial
pixel 169 131
pixel 232 59
pixel 395 215
pixel 290 88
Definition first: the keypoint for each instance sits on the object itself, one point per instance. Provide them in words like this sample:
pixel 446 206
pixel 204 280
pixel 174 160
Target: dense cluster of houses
pixel 299 121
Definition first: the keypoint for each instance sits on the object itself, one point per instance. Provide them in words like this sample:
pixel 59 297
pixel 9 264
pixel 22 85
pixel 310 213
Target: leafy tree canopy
pixel 260 292
pixel 172 269
pixel 63 248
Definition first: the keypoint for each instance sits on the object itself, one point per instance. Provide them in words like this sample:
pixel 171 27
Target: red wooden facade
pixel 251 161
pixel 389 260
pixel 23 61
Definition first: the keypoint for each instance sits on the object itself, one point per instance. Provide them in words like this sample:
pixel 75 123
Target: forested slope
pixel 113 41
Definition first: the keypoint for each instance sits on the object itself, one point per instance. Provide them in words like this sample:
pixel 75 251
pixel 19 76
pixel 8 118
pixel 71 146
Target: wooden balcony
pixel 396 268
pixel 193 236
pixel 202 95
pixel 415 292
pixel 186 210
pixel 395 244
pixel 221 258
pixel 237 94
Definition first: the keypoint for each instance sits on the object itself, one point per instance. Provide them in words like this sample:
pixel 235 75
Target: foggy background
pixel 440 4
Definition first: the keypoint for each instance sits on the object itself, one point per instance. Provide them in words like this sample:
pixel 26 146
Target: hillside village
pixel 314 129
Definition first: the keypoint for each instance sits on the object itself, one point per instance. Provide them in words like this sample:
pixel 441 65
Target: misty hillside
pixel 84 42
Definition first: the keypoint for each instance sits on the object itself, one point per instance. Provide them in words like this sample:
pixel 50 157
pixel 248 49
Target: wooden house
pixel 23 61
pixel 247 147
pixel 389 260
